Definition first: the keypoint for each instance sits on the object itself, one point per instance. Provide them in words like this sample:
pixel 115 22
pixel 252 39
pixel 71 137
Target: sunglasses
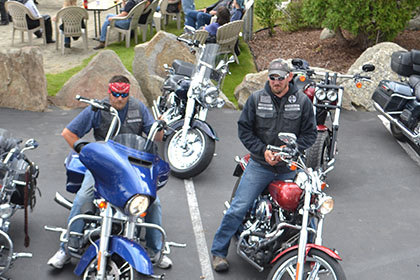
pixel 117 94
pixel 277 78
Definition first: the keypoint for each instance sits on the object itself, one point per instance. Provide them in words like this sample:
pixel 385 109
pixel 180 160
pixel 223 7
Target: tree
pixel 369 21
pixel 267 13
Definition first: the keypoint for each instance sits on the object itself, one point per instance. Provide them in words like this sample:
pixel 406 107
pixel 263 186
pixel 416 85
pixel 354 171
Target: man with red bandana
pixel 136 119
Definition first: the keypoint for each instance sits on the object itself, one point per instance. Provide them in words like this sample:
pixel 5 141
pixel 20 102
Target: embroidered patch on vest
pixel 133 120
pixel 292 99
pixel 133 113
pixel 292 107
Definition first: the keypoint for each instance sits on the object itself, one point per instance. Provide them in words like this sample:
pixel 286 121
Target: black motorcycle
pixel 399 101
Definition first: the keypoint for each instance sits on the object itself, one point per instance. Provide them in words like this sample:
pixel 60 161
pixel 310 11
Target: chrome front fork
pixel 104 242
pixel 303 239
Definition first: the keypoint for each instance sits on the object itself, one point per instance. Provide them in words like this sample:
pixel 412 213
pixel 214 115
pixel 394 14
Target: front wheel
pixel 397 133
pixel 317 156
pixel 116 268
pixel 318 265
pixel 191 159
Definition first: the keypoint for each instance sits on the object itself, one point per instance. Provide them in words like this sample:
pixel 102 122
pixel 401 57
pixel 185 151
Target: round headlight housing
pixel 6 211
pixel 137 205
pixel 320 94
pixel 210 96
pixel 326 205
pixel 332 95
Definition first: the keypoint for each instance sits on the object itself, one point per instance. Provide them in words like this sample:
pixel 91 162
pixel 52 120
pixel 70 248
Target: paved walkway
pixel 54 61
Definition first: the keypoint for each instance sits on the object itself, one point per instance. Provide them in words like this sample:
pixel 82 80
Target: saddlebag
pixel 406 63
pixel 392 96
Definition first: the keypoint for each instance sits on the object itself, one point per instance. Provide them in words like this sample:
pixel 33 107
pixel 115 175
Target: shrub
pixel 369 21
pixel 292 20
pixel 267 13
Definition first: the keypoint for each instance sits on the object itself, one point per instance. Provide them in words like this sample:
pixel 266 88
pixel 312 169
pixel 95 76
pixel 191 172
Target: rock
pixel 326 34
pixel 380 56
pixel 23 84
pixel 92 81
pixel 414 24
pixel 251 82
pixel 150 57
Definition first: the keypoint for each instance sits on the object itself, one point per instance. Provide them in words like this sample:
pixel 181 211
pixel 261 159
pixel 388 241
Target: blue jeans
pixel 188 5
pixel 124 24
pixel 254 180
pixel 197 19
pixel 86 194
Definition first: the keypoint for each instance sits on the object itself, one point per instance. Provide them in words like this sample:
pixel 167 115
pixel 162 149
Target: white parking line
pixel 406 147
pixel 200 239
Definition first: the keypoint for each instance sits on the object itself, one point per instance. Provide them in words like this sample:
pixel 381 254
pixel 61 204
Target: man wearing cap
pixel 279 107
pixel 136 119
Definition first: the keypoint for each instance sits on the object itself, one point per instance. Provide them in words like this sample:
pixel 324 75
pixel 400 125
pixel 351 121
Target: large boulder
pixel 150 57
pixel 380 56
pixel 23 84
pixel 92 81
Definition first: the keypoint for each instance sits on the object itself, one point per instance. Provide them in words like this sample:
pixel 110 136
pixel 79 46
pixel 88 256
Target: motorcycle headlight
pixel 332 95
pixel 210 96
pixel 137 205
pixel 326 205
pixel 320 94
pixel 6 211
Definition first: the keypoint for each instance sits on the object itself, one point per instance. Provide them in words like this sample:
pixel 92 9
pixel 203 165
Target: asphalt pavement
pixel 374 225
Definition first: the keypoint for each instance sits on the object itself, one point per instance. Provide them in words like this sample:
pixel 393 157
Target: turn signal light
pixel 359 85
pixel 323 185
pixel 142 215
pixel 302 78
pixel 102 205
pixel 293 166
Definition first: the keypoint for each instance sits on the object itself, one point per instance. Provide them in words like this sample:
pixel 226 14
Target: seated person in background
pixel 202 17
pixel 143 17
pixel 223 16
pixel 35 23
pixel 124 24
pixel 67 40
pixel 3 13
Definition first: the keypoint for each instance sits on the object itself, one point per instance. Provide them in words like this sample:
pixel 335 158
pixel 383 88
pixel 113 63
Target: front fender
pixel 205 127
pixel 309 247
pixel 129 250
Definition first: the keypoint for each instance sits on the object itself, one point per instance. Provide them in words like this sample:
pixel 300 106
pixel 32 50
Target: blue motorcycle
pixel 127 172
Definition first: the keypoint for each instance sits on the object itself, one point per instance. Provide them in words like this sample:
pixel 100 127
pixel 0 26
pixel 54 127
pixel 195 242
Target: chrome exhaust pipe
pixel 415 138
pixel 243 255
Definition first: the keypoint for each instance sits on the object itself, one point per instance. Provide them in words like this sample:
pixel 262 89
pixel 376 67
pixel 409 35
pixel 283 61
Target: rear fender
pixel 205 127
pixel 309 247
pixel 129 250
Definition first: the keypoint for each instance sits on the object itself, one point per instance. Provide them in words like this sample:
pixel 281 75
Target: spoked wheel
pixel 317 156
pixel 116 269
pixel 397 133
pixel 318 265
pixel 192 158
pixel 6 252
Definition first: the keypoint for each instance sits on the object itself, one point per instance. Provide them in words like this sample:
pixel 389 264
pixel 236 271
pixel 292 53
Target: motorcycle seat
pixel 414 82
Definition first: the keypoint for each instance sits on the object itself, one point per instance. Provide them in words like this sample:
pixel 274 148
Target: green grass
pixel 56 81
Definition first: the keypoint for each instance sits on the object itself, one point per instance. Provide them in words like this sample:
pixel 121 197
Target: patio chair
pixel 226 37
pixel 201 36
pixel 71 18
pixel 143 27
pixel 19 13
pixel 134 14
pixel 164 14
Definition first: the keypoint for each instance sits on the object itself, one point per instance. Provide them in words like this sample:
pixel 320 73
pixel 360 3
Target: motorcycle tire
pixel 317 156
pixel 397 133
pixel 317 262
pixel 234 189
pixel 116 268
pixel 194 159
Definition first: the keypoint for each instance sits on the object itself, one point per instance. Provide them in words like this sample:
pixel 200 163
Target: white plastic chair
pixel 163 14
pixel 227 35
pixel 71 18
pixel 143 27
pixel 19 12
pixel 134 14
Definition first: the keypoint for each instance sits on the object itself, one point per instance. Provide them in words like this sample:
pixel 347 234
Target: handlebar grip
pixel 365 77
pixel 79 144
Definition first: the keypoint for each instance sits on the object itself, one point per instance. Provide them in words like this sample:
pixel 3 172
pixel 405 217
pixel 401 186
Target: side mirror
pixel 31 143
pixel 287 138
pixel 368 67
pixel 231 59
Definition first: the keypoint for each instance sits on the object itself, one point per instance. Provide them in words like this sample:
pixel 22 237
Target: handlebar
pixel 94 103
pixel 190 43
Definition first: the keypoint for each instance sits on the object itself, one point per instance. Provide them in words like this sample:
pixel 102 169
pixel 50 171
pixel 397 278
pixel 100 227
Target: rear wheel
pixel 318 265
pixel 116 268
pixel 397 133
pixel 317 156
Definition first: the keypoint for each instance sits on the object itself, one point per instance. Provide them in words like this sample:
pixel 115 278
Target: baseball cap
pixel 278 67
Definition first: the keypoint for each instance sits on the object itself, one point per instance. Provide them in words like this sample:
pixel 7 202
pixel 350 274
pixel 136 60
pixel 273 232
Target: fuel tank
pixel 286 194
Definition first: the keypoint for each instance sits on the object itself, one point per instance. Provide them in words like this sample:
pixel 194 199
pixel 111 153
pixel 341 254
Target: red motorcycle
pixel 283 229
pixel 326 93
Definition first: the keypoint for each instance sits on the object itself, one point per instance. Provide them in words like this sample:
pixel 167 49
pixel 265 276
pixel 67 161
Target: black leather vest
pixel 133 122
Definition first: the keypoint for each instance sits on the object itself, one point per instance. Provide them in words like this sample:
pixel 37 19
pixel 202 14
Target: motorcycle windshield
pixel 120 171
pixel 207 61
